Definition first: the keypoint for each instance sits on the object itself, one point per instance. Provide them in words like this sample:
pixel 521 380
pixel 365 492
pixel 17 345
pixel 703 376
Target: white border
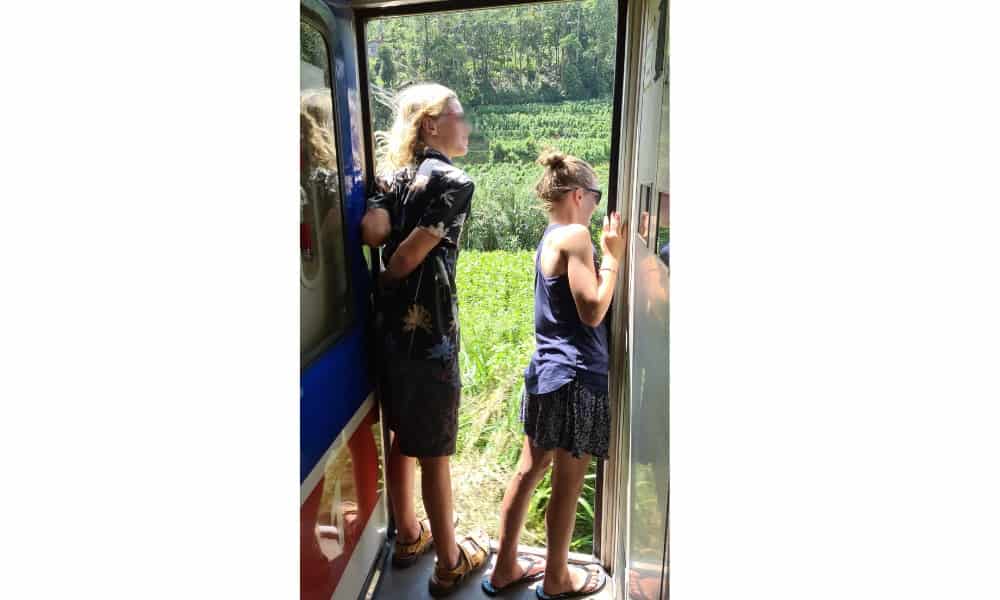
pixel 367 549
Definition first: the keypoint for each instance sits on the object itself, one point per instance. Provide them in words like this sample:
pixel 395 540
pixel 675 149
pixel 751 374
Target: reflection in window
pixel 351 487
pixel 346 507
pixel 663 229
pixel 324 301
pixel 642 226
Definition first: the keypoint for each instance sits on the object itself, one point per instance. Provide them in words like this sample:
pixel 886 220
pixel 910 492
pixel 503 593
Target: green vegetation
pixel 538 53
pixel 528 77
pixel 506 214
pixel 516 133
pixel 505 211
pixel 496 295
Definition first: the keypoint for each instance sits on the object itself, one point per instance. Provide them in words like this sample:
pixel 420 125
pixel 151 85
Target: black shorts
pixel 420 409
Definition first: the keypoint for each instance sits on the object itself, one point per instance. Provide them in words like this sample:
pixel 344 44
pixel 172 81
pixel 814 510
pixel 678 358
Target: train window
pixel 324 301
pixel 642 228
pixel 661 40
pixel 654 214
pixel 663 229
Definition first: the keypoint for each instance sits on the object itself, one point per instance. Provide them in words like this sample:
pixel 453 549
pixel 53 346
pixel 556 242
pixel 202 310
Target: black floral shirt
pixel 418 317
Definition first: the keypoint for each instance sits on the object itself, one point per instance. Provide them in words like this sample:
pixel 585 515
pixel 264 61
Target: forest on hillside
pixel 537 53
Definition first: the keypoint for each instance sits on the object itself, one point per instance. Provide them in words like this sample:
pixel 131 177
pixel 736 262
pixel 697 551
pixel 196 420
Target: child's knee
pixel 535 467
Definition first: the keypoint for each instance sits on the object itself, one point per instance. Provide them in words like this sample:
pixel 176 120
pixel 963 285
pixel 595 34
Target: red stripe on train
pixel 331 525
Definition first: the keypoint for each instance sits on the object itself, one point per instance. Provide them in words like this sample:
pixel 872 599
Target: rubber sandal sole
pixel 492 590
pixel 576 594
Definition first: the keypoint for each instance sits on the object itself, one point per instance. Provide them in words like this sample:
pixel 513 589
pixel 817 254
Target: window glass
pixel 324 301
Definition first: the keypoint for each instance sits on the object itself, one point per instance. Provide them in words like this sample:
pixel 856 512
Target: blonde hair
pixel 316 123
pixel 562 173
pixel 399 147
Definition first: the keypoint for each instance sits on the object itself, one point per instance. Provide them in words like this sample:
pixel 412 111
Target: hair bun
pixel 553 159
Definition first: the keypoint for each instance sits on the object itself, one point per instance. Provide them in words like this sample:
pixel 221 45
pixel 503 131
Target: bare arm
pixel 375 227
pixel 592 293
pixel 376 223
pixel 410 254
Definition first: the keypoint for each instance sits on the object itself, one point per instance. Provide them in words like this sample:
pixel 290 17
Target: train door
pixel 639 483
pixel 649 456
pixel 343 515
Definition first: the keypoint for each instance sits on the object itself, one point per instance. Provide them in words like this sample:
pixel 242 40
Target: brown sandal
pixel 473 554
pixel 405 554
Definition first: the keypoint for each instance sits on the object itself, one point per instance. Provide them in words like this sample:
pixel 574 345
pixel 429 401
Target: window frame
pixel 316 20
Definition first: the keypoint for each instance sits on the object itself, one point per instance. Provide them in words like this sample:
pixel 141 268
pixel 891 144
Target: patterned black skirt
pixel 573 417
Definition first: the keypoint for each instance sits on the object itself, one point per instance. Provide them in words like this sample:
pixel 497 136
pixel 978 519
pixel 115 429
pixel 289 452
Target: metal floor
pixel 411 584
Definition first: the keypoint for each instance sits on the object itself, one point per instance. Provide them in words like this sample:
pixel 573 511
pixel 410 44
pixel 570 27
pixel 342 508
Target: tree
pixel 519 54
pixel 386 67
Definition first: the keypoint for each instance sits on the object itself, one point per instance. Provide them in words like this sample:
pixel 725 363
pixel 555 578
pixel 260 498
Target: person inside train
pixel 419 215
pixel 564 408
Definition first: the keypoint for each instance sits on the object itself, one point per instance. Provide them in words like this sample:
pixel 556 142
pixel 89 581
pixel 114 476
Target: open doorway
pixel 528 76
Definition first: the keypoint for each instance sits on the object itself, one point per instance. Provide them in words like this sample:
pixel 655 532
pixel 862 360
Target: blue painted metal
pixel 351 148
pixel 333 388
pixel 335 384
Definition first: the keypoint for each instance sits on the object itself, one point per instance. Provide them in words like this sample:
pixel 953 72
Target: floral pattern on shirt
pixel 418 317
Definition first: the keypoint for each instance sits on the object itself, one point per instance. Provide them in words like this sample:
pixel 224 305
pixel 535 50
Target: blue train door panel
pixel 343 515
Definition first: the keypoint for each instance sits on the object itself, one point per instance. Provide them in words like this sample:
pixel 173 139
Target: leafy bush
pixel 518 132
pixel 496 300
pixel 506 214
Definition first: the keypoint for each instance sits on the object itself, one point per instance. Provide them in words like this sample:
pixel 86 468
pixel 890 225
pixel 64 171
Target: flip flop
pixel 528 577
pixel 586 590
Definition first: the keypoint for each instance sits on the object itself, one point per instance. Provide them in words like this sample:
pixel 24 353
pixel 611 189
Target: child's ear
pixel 428 125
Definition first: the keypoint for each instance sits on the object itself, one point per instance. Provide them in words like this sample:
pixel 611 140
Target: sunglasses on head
pixel 596 191
pixel 580 187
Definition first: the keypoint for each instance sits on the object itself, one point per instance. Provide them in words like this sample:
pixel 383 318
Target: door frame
pixel 612 482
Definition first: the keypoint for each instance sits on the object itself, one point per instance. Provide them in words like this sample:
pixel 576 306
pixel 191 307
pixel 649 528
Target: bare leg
pixel 400 482
pixel 567 481
pixel 435 481
pixel 530 470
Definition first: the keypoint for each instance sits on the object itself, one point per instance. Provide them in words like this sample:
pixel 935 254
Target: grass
pixel 496 306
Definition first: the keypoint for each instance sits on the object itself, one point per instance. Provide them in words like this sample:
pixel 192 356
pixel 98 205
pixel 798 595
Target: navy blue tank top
pixel 565 348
